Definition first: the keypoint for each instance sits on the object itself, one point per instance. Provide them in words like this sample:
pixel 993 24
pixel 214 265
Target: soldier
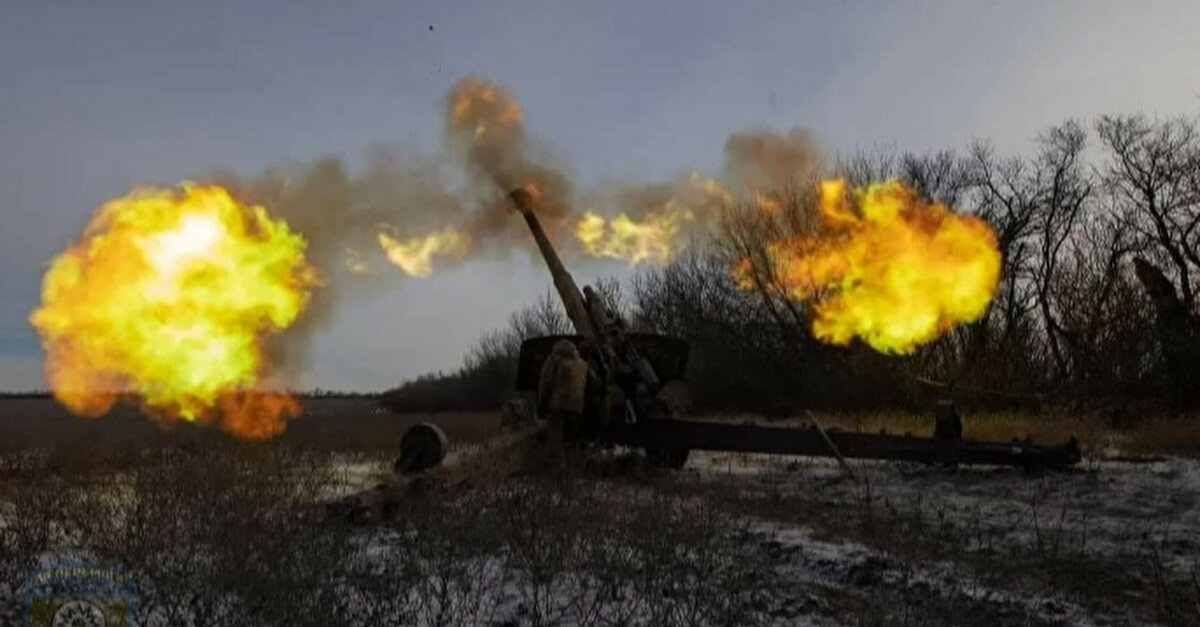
pixel 561 390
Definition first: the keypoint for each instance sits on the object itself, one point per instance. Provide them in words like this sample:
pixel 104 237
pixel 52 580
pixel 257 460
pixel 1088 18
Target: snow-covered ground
pixel 1109 507
pixel 823 571
pixel 846 567
pixel 1106 514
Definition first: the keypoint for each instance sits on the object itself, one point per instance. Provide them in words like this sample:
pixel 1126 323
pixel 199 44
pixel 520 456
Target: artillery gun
pixel 638 405
pixel 640 374
pixel 638 400
pixel 641 396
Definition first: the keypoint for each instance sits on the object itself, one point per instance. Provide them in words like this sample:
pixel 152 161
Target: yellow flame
pixel 415 255
pixel 657 236
pixel 887 267
pixel 652 239
pixel 168 298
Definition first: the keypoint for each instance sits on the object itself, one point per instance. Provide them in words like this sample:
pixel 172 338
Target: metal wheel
pixel 422 447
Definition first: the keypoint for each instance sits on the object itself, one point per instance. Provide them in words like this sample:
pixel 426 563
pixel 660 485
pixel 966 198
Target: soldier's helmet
pixel 565 349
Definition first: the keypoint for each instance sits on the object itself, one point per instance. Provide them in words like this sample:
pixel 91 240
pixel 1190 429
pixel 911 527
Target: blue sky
pixel 98 96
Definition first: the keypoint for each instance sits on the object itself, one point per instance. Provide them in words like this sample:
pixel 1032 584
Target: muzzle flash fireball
pixel 168 298
pixel 884 266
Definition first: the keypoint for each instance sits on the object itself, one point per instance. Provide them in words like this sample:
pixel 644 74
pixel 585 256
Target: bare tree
pixel 1064 188
pixel 1152 171
pixel 1003 191
pixel 940 176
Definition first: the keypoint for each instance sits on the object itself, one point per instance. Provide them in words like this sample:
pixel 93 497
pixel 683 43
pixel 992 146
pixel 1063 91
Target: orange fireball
pixel 168 298
pixel 886 266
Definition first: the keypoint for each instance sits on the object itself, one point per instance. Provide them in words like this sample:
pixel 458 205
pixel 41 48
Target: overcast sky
pixel 98 96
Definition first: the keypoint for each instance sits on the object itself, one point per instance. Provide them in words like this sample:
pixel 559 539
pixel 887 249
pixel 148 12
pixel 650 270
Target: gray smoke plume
pixel 406 193
pixel 486 131
pixel 766 161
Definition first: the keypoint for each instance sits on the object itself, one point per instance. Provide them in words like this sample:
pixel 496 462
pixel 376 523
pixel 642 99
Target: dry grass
pixel 353 425
pixel 234 535
pixel 1169 436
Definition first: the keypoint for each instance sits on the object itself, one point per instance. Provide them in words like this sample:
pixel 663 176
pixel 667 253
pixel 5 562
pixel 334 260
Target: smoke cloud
pixel 766 161
pixel 408 212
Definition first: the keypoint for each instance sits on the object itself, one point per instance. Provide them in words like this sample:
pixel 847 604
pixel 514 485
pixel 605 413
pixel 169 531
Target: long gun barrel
pixel 568 291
